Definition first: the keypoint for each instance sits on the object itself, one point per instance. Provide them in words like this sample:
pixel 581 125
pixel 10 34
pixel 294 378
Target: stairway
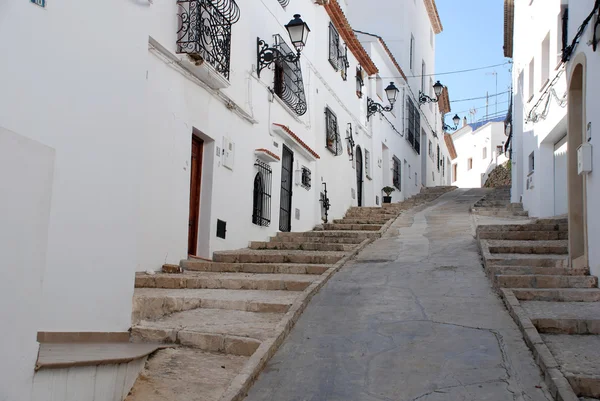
pixel 226 317
pixel 497 203
pixel 556 306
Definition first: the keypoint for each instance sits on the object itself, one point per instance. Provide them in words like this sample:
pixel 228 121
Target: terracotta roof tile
pixel 268 152
pixel 339 20
pixel 450 146
pixel 297 139
pixel 434 16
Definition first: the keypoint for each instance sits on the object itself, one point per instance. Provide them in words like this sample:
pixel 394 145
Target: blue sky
pixel 472 37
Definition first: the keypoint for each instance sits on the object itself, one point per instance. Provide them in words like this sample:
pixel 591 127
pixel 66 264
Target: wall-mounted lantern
pixel 455 120
pixel 437 89
pixel 391 92
pixel 298 31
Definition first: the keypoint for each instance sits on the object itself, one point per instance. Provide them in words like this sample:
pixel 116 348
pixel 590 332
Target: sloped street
pixel 413 317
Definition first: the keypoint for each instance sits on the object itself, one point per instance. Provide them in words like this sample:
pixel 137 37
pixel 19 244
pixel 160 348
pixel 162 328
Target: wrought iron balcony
pixel 205 31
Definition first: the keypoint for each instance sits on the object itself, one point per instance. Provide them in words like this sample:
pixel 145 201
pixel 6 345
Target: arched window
pixel 261 197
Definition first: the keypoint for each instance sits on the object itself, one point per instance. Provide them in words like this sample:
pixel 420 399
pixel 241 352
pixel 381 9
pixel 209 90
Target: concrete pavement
pixel 412 318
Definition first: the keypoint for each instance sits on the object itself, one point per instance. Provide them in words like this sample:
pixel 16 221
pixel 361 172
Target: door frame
pixel 359 175
pixel 290 178
pixel 194 204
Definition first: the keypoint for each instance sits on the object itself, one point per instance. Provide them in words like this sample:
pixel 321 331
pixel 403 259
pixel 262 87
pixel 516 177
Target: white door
pixel 560 177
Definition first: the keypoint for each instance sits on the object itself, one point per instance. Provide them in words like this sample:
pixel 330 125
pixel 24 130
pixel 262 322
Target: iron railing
pixel 334 141
pixel 288 84
pixel 205 31
pixel 261 200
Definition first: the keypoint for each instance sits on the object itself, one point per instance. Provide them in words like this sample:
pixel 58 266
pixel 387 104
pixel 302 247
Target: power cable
pixel 451 72
pixel 479 98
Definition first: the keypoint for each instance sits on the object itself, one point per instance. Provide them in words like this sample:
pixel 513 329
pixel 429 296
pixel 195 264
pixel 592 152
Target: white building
pixel 479 148
pixel 555 110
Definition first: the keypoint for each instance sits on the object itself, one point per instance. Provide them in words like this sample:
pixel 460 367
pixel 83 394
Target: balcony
pixel 205 32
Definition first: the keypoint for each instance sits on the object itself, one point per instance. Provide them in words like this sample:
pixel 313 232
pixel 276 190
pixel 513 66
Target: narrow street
pixel 413 317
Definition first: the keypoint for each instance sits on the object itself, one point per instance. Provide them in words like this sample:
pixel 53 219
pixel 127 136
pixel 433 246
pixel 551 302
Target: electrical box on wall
pixel 584 158
pixel 228 153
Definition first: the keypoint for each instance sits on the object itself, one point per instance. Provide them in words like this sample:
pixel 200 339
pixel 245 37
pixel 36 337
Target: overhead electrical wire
pixel 452 72
pixel 570 49
pixel 479 98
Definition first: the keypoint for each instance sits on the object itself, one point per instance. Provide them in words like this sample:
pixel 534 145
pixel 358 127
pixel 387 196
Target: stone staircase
pixel 497 203
pixel 556 307
pixel 226 317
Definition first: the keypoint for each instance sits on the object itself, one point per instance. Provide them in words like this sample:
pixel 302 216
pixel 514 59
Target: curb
pixel 240 385
pixel 557 384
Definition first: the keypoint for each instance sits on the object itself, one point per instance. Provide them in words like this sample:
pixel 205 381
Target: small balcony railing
pixel 205 31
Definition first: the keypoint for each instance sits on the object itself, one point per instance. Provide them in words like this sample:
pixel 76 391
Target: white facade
pixel 478 152
pixel 539 119
pixel 98 119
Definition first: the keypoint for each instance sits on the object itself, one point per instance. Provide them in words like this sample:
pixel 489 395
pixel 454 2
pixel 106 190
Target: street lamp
pixel 391 92
pixel 455 120
pixel 437 89
pixel 298 32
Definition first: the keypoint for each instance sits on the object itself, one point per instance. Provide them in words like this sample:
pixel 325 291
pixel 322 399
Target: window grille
pixel 396 173
pixel 284 3
pixel 338 54
pixel 288 84
pixel 205 31
pixel 413 125
pixel 334 141
pixel 360 82
pixel 306 178
pixel 438 157
pixel 367 163
pixel 261 203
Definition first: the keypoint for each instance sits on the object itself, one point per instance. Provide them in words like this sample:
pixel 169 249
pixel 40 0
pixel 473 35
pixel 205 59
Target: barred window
pixel 334 141
pixel 439 160
pixel 413 125
pixel 396 173
pixel 360 82
pixel 306 180
pixel 261 201
pixel 288 84
pixel 338 53
pixel 367 163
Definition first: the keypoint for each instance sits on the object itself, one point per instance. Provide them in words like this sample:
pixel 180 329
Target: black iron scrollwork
pixel 325 204
pixel 373 108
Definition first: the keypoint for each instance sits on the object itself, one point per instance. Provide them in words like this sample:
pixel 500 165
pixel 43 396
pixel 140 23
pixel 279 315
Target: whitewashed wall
pixel 578 11
pixel 26 174
pixel 71 84
pixel 469 144
pixel 536 189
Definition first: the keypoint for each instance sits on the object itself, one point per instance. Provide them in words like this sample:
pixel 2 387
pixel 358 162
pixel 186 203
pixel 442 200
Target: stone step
pixel 215 330
pixel 352 227
pixel 260 268
pixel 562 221
pixel 558 247
pixel 515 259
pixel 302 246
pixel 546 281
pixel 153 303
pixel 367 220
pixel 564 317
pixel 500 213
pixel 309 240
pixel 558 294
pixel 372 215
pixel 186 374
pixel 332 234
pixel 524 235
pixel 227 281
pixel 577 358
pixel 522 227
pixel 268 256
pixel 529 270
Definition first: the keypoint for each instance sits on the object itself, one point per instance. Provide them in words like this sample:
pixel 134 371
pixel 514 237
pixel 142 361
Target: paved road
pixel 412 318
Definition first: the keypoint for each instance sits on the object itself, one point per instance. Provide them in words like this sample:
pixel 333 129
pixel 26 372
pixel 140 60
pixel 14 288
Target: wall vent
pixel 221 229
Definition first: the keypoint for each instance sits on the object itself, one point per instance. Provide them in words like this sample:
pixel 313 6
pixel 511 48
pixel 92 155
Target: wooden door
pixel 285 208
pixel 195 185
pixel 359 175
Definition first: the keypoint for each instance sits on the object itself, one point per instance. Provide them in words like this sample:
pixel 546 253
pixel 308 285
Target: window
pixel 288 84
pixel 455 172
pixel 413 125
pixel 261 200
pixel 396 173
pixel 499 149
pixel 205 31
pixel 484 153
pixel 531 77
pixel 305 178
pixel 470 164
pixel 360 82
pixel 545 61
pixel 438 157
pixel 334 141
pixel 367 163
pixel 412 52
pixel 430 152
pixel 531 162
pixel 338 54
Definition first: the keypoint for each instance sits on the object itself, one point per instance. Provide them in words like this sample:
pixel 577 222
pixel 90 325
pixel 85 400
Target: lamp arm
pixel 265 56
pixel 373 107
